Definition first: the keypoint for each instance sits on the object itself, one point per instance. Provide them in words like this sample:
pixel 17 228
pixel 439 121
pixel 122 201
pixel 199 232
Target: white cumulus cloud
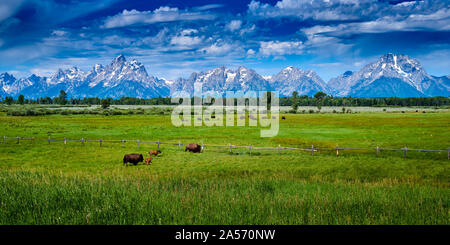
pixel 162 14
pixel 277 48
pixel 217 49
pixel 234 25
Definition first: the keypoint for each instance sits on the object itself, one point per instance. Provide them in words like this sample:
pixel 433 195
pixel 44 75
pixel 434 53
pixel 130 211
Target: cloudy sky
pixel 176 38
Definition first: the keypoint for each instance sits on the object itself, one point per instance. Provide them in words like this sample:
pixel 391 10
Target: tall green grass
pixel 33 198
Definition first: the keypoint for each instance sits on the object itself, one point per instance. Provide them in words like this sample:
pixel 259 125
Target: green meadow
pixel 57 183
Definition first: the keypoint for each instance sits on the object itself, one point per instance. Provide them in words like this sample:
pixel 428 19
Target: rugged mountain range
pixel 391 75
pixel 293 79
pixel 117 79
pixel 222 79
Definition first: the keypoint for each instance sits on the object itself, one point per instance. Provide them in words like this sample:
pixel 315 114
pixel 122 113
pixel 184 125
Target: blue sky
pixel 176 38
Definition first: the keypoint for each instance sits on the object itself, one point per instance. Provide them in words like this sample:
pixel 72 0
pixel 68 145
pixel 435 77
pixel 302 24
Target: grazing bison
pixel 148 161
pixel 154 153
pixel 193 148
pixel 213 116
pixel 284 118
pixel 132 158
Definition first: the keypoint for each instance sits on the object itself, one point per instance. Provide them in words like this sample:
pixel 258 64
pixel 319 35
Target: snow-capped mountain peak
pixel 390 75
pixel 7 78
pixel 292 79
pixel 119 60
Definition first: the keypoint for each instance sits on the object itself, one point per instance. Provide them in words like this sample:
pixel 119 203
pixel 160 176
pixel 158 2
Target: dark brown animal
pixel 148 161
pixel 193 148
pixel 132 158
pixel 284 118
pixel 154 153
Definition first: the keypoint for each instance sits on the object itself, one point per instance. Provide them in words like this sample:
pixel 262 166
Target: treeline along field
pixel 43 183
pixel 304 100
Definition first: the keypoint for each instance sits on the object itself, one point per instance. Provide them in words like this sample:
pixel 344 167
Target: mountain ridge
pixel 391 75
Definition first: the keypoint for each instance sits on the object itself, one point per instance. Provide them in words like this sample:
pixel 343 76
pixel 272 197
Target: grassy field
pixel 54 183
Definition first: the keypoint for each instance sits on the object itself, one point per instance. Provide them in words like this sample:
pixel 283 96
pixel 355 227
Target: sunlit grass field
pixel 43 183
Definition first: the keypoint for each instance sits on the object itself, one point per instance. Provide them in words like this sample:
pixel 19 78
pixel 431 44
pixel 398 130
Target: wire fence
pixel 229 147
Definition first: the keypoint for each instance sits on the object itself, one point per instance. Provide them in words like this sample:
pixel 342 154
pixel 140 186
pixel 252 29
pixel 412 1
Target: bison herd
pixel 135 158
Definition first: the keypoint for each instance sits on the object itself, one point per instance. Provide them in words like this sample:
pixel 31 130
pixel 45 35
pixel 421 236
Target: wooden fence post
pixel 378 150
pixel 337 150
pixel 32 140
pixel 312 150
pixel 137 143
pixel 158 144
pixel 229 146
pixel 250 149
pixel 4 139
pixel 201 149
pixel 65 141
pixel 279 149
pixel 448 154
pixel 49 140
pixel 82 141
pixel 123 143
pixel 179 145
pixel 18 138
pixel 100 143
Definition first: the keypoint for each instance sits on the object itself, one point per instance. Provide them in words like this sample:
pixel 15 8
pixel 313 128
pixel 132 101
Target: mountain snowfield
pixel 391 75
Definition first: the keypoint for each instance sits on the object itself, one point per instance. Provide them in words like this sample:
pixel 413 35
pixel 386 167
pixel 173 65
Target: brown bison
pixel 193 148
pixel 132 158
pixel 154 153
pixel 148 161
pixel 284 118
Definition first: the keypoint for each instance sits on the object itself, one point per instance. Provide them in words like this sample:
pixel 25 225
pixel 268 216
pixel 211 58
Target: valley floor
pixel 43 183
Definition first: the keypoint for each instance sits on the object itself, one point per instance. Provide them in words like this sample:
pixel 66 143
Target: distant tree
pixel 294 101
pixel 105 103
pixel 62 98
pixel 8 100
pixel 21 99
pixel 319 97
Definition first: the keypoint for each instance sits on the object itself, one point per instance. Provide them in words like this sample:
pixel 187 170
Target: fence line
pixel 230 146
